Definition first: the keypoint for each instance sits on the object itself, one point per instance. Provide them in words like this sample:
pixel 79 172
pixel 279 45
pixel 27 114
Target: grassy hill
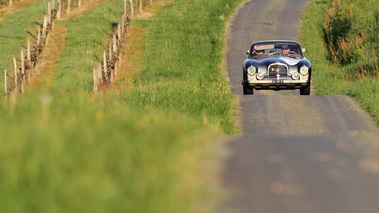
pixel 145 147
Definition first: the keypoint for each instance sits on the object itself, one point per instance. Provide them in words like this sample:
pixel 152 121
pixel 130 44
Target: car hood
pixel 282 59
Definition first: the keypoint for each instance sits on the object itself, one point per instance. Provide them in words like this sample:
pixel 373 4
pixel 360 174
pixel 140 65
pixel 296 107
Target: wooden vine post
pixel 44 26
pixel 49 12
pixel 95 80
pixel 114 44
pixel 125 7
pixel 22 64
pixel 140 6
pixel 123 24
pixel 115 54
pixel 68 7
pixel 105 66
pixel 131 8
pixel 39 36
pixel 59 9
pixel 22 71
pixel 99 79
pixel 5 84
pixel 15 74
pixel 119 41
pixel 109 78
pixel 110 51
pixel 119 33
pixel 28 52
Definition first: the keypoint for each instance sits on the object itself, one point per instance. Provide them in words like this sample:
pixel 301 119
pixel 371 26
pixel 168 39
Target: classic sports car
pixel 276 65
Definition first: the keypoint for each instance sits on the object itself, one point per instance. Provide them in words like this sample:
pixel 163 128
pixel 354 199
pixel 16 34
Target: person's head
pixel 260 52
pixel 285 49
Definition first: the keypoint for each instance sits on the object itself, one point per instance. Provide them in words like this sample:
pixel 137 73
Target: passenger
pixel 260 52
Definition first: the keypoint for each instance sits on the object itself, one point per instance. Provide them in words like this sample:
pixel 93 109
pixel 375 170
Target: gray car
pixel 276 65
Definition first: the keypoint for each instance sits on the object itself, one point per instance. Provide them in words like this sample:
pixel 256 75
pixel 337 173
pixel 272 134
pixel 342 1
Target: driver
pixel 285 49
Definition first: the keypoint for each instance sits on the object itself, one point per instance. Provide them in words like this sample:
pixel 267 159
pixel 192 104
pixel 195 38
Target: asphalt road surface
pixel 297 154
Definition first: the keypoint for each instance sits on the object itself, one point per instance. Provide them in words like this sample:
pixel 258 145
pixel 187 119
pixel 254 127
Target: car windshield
pixel 260 50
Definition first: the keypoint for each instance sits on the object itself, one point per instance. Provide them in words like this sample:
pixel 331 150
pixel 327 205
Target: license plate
pixel 277 81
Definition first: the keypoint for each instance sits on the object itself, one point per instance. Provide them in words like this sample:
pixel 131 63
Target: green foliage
pixel 350 32
pixel 358 78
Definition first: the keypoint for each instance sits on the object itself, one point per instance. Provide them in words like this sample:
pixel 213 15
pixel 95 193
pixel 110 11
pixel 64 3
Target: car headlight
pixel 304 70
pixel 295 76
pixel 251 70
pixel 260 75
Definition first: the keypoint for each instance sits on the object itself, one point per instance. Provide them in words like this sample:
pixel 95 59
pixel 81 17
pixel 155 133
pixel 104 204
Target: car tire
pixel 306 90
pixel 248 91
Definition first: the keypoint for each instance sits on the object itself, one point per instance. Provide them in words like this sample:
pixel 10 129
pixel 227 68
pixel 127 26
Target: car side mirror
pixel 303 50
pixel 248 52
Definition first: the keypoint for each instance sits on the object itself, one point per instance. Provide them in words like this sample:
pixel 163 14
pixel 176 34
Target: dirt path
pixel 47 65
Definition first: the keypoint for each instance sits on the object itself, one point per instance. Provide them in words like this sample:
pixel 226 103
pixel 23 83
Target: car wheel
pixel 306 90
pixel 248 91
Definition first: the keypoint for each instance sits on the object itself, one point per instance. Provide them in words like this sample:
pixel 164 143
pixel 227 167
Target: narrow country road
pixel 297 154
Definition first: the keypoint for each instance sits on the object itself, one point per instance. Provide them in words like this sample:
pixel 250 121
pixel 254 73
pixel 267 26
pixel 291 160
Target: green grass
pixel 89 154
pixel 87 38
pixel 150 148
pixel 13 33
pixel 181 69
pixel 335 77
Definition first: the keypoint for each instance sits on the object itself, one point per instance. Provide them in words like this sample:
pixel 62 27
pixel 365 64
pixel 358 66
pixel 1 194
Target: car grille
pixel 276 68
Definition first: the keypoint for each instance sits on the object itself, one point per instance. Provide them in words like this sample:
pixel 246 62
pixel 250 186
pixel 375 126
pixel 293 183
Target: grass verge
pixel 329 77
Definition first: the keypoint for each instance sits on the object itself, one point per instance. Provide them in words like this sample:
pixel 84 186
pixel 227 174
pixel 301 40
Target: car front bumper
pixel 275 84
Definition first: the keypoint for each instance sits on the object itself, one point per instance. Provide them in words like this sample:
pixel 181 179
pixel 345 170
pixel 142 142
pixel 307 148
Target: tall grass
pixel 350 31
pixel 146 149
pixel 342 42
pixel 89 154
